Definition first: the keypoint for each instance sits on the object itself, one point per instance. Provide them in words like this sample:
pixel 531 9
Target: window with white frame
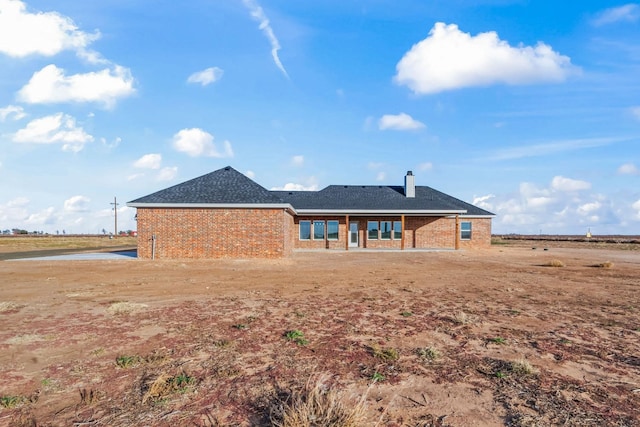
pixel 385 230
pixel 305 230
pixel 465 230
pixel 318 230
pixel 332 230
pixel 397 230
pixel 372 230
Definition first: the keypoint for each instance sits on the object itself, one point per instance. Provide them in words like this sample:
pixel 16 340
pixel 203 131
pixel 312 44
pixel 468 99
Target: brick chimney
pixel 410 185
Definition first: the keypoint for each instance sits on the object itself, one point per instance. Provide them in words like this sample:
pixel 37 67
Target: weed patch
pixel 387 354
pixel 428 353
pixel 296 336
pixel 12 401
pixel 124 361
pixel 159 389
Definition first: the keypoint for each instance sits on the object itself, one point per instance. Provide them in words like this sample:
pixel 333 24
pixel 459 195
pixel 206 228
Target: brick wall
pixel 480 233
pixel 274 233
pixel 214 233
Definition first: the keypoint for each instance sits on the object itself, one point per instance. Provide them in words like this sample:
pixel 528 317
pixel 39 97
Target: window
pixel 372 230
pixel 397 230
pixel 465 230
pixel 385 230
pixel 305 230
pixel 332 230
pixel 318 230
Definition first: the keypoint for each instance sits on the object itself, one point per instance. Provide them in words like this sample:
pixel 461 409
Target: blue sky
pixel 530 109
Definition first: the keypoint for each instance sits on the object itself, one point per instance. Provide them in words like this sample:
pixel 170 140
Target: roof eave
pixel 211 205
pixel 366 212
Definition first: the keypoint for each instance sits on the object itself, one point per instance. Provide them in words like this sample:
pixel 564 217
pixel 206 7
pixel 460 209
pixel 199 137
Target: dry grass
pixel 462 318
pixel 9 306
pixel 555 263
pixel 125 307
pixel 523 367
pixel 606 264
pixel 25 339
pixel 317 406
pixel 386 354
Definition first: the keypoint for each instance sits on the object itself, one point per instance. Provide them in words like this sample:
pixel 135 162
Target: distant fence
pixel 569 238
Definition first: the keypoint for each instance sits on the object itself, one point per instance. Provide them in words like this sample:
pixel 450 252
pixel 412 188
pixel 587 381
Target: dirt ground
pixel 453 338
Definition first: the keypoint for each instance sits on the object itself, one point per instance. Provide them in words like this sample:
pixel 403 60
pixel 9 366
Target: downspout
pixel 457 246
pixel 153 246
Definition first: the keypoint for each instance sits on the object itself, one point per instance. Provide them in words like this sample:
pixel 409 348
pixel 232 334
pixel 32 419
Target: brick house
pixel 226 214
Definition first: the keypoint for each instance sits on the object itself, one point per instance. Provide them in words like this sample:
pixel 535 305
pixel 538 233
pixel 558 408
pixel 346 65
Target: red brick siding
pixel 213 233
pixel 430 232
pixel 480 233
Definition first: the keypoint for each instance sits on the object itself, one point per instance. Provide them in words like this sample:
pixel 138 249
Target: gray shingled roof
pixel 376 198
pixel 228 186
pixel 224 186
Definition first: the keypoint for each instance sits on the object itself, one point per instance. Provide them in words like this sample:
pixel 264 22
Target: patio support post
pixel 347 234
pixel 402 235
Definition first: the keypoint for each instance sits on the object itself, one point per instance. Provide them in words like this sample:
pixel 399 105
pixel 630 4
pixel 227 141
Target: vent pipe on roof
pixel 410 185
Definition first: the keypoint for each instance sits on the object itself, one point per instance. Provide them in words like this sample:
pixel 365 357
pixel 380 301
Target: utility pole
pixel 115 210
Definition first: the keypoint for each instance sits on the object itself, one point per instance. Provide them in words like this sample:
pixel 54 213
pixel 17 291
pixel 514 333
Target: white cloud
pixel 290 186
pixel 196 142
pixel 450 59
pixel 626 13
pixel 381 176
pixel 636 207
pixel 77 204
pixel 560 183
pixel 483 201
pixel 250 174
pixel 57 128
pixel 51 85
pixel 589 208
pixel 635 111
pixel 297 161
pixel 168 173
pixel 206 77
pixel 628 169
pixel 149 161
pixel 257 13
pixel 16 113
pixel 44 217
pixel 309 184
pixel 551 148
pixel 400 121
pixel 112 144
pixel 565 206
pixel 425 166
pixel 44 33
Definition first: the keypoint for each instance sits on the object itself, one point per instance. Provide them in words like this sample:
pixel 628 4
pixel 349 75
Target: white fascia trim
pixel 477 216
pixel 378 212
pixel 213 205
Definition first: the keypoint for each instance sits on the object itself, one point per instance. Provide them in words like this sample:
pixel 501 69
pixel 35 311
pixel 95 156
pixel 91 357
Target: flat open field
pixel 466 338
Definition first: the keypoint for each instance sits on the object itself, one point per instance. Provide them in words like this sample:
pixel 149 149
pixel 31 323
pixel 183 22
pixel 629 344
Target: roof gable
pixel 223 186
